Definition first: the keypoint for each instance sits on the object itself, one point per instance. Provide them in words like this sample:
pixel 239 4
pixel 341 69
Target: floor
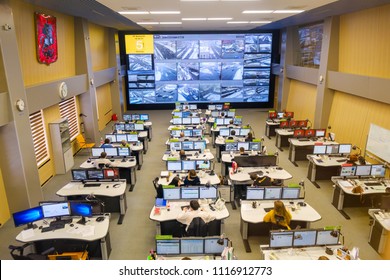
pixel 135 237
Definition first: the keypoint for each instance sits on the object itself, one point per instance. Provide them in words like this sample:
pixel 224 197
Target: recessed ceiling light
pixel 134 13
pixel 237 22
pixel 170 22
pixel 258 12
pixel 261 21
pixel 147 22
pixel 193 19
pixel 288 11
pixel 219 18
pixel 165 12
pixel 199 0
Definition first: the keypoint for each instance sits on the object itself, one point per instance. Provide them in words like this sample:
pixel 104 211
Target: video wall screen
pixel 198 68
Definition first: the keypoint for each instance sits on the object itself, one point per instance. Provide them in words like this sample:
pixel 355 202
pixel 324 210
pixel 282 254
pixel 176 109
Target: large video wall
pixel 198 68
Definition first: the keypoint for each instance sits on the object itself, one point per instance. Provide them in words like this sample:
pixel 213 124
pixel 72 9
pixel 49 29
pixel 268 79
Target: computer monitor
pixel 129 126
pixel 280 239
pixel 200 145
pixel 111 152
pixel 187 145
pixel 332 149
pixel 191 246
pixel 347 171
pixel 211 107
pixel 195 120
pixel 283 124
pixel 97 151
pixel 254 193
pixel 219 121
pixel 28 216
pixel 378 170
pixel 124 152
pixel 231 114
pixel 79 174
pixel 196 132
pixel 189 192
pixel 273 193
pixel 188 165
pixel 289 114
pixel 127 118
pixel 215 114
pixel 302 123
pixel 304 238
pixel 171 193
pixel 56 210
pixel 310 133
pixel 135 117
pixel 244 145
pixel 231 146
pixel 272 115
pixel 193 107
pixel 237 121
pixel 168 247
pixel 111 137
pixel 214 246
pixel 203 165
pixel 95 174
pixel 280 115
pixel 175 133
pixel 111 173
pixel 320 132
pixel 293 124
pixel 291 193
pixel 176 121
pixel 319 149
pixel 121 137
pixel 81 209
pixel 186 120
pixel 144 117
pixel 244 131
pixel 345 149
pixel 224 132
pixel 132 137
pixel 327 237
pixel 208 192
pixel 219 107
pixel 139 126
pixel 363 170
pixel 255 146
pixel 119 126
pixel 175 146
pixel 266 160
pixel 299 133
pixel 173 165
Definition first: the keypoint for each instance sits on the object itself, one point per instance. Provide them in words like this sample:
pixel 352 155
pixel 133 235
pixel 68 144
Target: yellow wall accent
pixel 99 47
pixel 5 215
pixel 103 96
pixel 365 42
pixel 33 71
pixel 301 100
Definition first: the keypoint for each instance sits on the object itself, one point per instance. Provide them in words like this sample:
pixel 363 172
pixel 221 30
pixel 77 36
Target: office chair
pixel 18 252
pixel 197 227
pixel 158 188
pixel 84 144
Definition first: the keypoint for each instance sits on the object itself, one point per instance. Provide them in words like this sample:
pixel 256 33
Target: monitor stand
pixel 31 226
pixel 82 221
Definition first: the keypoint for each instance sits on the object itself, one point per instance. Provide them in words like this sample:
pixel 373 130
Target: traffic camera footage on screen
pixel 199 68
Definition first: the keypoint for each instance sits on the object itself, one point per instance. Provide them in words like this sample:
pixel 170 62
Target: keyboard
pixel 92 185
pixel 60 222
pixel 52 228
pixel 372 184
pixel 341 160
pixel 303 139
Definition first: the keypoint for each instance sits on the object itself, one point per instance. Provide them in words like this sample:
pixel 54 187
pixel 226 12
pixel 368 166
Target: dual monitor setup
pixel 106 174
pixel 309 133
pixel 187 165
pixel 303 238
pixel 191 246
pixel 55 210
pixel 187 145
pixel 111 152
pixel 129 126
pixel 248 146
pixel 192 192
pixel 179 106
pixel 135 117
pixel 226 131
pixel 117 138
pixel 280 115
pixel 228 114
pixel 184 114
pixel 218 107
pixel 187 132
pixel 226 121
pixel 293 123
pixel 340 149
pixel 186 121
pixel 368 170
pixel 272 193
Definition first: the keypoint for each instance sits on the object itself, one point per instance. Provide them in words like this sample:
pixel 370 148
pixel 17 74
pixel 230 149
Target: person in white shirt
pixel 187 214
pixel 102 160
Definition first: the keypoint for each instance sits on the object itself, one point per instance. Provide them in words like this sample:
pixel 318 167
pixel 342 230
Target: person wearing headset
pixel 102 161
pixel 192 178
pixel 279 216
pixel 188 214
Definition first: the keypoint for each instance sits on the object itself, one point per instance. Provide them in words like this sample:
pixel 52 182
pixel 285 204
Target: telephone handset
pixel 220 204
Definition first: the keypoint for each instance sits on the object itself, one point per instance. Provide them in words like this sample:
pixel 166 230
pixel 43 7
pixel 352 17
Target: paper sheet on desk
pixel 345 184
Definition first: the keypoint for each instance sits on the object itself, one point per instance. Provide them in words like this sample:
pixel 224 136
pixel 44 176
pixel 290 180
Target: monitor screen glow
pixel 132 137
pixel 187 145
pixel 244 145
pixel 345 148
pixel 273 193
pixel 171 193
pixel 244 131
pixel 211 246
pixel 231 146
pixel 121 137
pixel 281 239
pixel 255 146
pixel 224 131
pixel 208 192
pixel 378 170
pixel 320 132
pixel 332 149
pixel 363 170
pixel 254 193
pixel 319 149
pixel 168 247
pixel 79 174
pixel 189 193
pixel 56 210
pixel 304 238
pixel 81 209
pixel 327 237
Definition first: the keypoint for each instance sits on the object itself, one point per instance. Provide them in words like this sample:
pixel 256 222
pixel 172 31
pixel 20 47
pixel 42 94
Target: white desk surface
pixel 133 147
pixel 326 161
pixel 275 122
pixel 349 184
pixel 77 188
pixel 221 140
pixel 91 231
pixel 175 209
pixel 181 127
pixel 216 129
pixel 116 163
pixel 141 134
pixel 190 155
pixel 296 142
pixel 305 253
pixel 226 157
pixel 385 222
pixel 213 179
pixel 284 132
pixel 189 139
pixel 256 215
pixel 272 172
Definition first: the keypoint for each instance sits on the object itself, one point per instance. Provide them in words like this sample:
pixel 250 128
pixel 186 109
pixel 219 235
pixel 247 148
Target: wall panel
pixel 99 47
pixel 103 95
pixel 5 214
pixel 301 100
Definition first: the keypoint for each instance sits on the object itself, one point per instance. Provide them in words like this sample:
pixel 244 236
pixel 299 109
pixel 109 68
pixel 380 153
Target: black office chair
pixel 18 252
pixel 197 227
pixel 158 188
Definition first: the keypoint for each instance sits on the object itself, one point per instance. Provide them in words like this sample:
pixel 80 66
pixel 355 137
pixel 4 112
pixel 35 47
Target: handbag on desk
pixel 359 189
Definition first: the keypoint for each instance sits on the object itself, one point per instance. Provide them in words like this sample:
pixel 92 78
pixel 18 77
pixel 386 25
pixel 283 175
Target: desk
pixel 112 194
pixel 282 136
pixel 182 127
pixel 379 232
pixel 213 179
pixel 227 158
pixel 270 127
pixel 142 136
pixel 323 167
pixel 298 149
pixel 252 218
pixel 72 239
pixel 305 253
pixel 165 217
pixel 137 151
pixel 190 155
pixel 126 170
pixel 148 127
pixel 220 145
pixel 344 197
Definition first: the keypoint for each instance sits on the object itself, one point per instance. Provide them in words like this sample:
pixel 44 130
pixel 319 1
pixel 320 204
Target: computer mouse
pixel 132 159
pixel 100 219
pixel 88 160
pixel 107 187
pixel 112 160
pixel 366 188
pixel 71 225
pixel 40 227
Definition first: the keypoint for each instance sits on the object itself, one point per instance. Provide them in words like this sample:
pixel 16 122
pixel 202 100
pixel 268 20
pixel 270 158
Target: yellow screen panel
pixel 139 44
